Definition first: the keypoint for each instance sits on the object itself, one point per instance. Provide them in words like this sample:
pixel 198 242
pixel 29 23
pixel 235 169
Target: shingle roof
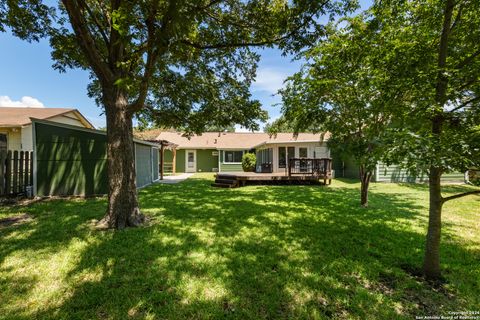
pixel 235 140
pixel 151 134
pixel 11 117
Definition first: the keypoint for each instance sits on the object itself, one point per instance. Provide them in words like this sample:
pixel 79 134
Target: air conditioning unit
pixel 214 169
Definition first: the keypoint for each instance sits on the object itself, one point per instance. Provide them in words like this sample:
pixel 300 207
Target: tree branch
pixel 87 43
pixel 460 195
pixel 457 17
pixel 245 44
pixel 208 5
pixel 230 45
pixel 157 44
pixel 468 60
pixel 463 105
pixel 95 20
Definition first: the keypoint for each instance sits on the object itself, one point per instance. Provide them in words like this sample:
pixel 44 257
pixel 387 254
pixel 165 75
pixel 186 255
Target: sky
pixel 28 79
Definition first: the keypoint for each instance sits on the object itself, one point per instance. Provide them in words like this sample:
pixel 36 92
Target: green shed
pixel 70 160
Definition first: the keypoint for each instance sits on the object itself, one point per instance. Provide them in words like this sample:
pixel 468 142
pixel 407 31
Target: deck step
pixel 226 181
pixel 224 185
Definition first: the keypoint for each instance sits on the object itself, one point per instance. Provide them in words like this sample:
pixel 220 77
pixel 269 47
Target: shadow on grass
pixel 266 252
pixel 446 188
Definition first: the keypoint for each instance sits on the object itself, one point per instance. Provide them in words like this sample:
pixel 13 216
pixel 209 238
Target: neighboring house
pixel 222 152
pixel 393 173
pixel 16 126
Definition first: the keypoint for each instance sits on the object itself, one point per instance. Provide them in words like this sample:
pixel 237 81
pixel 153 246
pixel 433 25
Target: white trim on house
pixel 266 143
pixel 223 151
pixel 311 146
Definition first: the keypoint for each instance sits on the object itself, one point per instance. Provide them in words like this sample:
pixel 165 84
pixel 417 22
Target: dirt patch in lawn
pixel 14 220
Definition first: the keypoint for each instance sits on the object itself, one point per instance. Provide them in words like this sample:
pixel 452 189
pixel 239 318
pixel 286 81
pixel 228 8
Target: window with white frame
pixel 232 156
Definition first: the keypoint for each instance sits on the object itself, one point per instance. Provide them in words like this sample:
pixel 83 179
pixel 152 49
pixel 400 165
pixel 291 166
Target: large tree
pixel 340 90
pixel 182 63
pixel 426 72
pixel 434 59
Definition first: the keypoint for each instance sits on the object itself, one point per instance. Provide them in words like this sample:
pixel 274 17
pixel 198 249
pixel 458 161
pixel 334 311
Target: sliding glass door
pixel 284 155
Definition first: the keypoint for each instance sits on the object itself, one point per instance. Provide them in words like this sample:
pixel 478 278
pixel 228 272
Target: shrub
pixel 474 177
pixel 249 161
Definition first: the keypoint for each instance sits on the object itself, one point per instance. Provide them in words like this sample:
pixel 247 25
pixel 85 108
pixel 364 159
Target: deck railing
pixel 168 167
pixel 321 168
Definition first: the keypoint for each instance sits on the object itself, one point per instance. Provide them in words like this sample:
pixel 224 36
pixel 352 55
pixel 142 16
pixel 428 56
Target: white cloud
pixel 270 80
pixel 24 102
pixel 239 128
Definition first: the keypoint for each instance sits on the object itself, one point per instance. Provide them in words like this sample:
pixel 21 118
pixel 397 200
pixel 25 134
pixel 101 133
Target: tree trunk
pixel 365 177
pixel 123 210
pixel 431 264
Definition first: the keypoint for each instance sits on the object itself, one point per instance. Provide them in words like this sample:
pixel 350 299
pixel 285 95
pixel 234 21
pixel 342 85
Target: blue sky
pixel 27 78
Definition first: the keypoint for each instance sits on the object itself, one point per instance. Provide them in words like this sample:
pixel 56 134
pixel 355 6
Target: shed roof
pixel 236 140
pixel 16 117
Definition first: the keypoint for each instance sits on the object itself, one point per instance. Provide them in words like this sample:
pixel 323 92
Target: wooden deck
pixel 239 179
pixel 298 171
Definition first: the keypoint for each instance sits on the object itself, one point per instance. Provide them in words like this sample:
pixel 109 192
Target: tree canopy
pixel 177 63
pixel 340 90
pixel 402 80
pixel 434 60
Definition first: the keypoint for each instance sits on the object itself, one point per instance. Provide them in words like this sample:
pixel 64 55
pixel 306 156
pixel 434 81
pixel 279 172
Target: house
pixel 347 168
pixel 223 151
pixel 16 126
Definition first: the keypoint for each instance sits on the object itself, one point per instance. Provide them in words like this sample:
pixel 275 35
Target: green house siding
pixel 394 173
pixel 345 168
pixel 179 161
pixel 206 161
pixel 229 167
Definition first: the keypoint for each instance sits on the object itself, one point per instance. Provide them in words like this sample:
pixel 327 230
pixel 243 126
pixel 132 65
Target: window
pixel 282 157
pixel 3 142
pixel 232 156
pixel 303 152
pixel 291 152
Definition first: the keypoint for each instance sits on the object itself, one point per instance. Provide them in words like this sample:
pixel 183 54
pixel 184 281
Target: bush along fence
pixel 16 172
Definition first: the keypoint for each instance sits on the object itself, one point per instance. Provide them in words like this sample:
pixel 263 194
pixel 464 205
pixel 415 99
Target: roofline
pixel 287 142
pixel 69 126
pixel 194 147
pixel 321 140
pixel 77 113
pixel 83 118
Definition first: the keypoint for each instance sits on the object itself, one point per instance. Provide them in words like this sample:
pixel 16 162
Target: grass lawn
pixel 259 252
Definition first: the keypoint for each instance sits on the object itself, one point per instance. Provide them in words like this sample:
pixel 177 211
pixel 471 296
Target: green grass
pixel 259 252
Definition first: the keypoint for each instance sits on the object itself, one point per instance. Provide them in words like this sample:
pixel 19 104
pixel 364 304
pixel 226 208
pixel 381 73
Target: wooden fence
pixel 16 172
